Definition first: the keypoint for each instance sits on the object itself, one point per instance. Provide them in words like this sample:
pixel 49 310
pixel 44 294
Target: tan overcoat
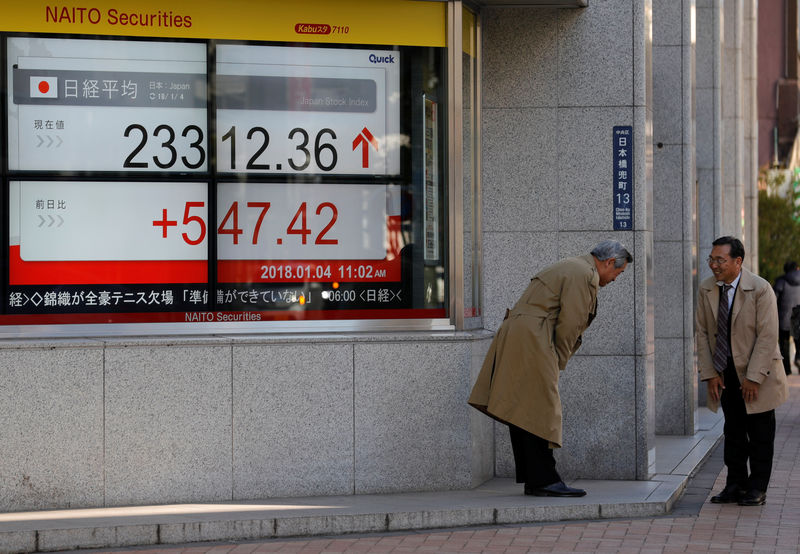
pixel 518 382
pixel 754 339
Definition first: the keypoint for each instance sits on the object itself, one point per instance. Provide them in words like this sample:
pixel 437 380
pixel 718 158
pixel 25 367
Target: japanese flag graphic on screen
pixel 44 87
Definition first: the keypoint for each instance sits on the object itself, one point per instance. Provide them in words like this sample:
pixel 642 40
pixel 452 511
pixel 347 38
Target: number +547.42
pixel 230 223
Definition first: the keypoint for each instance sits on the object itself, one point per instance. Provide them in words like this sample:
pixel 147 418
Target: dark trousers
pixel 783 343
pixel 533 457
pixel 748 438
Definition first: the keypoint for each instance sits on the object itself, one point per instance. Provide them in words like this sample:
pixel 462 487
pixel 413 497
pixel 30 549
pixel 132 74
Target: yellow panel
pixel 468 32
pixel 390 22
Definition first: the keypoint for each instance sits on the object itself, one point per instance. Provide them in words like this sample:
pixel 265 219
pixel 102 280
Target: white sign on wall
pixel 92 105
pixel 111 221
pixel 307 110
pixel 308 221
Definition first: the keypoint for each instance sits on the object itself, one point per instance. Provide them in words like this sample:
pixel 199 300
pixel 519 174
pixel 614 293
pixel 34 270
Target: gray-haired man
pixel 518 383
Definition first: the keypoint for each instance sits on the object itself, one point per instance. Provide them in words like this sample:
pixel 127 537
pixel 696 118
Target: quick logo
pixel 381 59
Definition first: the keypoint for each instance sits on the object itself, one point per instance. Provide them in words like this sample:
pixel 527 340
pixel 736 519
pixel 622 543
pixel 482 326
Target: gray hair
pixel 612 249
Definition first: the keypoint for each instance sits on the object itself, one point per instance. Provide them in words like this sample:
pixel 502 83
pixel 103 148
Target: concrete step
pixel 499 501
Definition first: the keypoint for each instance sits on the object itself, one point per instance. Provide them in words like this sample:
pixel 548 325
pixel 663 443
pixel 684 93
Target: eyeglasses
pixel 717 261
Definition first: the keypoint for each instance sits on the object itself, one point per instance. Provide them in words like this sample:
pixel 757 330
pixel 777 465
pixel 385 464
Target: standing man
pixel 518 383
pixel 738 358
pixel 787 291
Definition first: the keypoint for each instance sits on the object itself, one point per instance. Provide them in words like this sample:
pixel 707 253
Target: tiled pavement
pixel 695 525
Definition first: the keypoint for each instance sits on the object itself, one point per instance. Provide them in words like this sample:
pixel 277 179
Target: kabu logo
pixel 381 59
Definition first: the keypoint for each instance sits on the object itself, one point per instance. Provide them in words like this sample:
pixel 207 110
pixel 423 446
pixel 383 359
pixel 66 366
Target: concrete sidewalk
pixel 499 501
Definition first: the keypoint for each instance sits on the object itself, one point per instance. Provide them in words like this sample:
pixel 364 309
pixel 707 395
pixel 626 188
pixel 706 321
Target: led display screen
pixel 175 181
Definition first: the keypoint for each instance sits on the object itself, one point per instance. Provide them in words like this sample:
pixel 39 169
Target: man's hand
pixel 750 390
pixel 715 386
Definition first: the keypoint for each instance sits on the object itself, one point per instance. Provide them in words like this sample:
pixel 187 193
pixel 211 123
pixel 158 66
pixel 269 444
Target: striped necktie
pixel 722 348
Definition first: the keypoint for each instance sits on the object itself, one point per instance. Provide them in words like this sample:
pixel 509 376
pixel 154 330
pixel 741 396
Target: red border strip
pixel 103 272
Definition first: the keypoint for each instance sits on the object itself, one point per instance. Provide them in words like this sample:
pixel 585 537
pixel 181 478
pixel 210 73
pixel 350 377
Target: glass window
pixel 470 166
pixel 147 183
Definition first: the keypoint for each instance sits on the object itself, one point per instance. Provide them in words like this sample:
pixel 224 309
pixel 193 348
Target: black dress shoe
pixel 729 495
pixel 556 489
pixel 753 497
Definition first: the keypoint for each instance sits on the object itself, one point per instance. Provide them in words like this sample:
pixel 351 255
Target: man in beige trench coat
pixel 739 359
pixel 518 382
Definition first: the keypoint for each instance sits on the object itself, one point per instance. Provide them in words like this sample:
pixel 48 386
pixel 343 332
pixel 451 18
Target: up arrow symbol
pixel 364 139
